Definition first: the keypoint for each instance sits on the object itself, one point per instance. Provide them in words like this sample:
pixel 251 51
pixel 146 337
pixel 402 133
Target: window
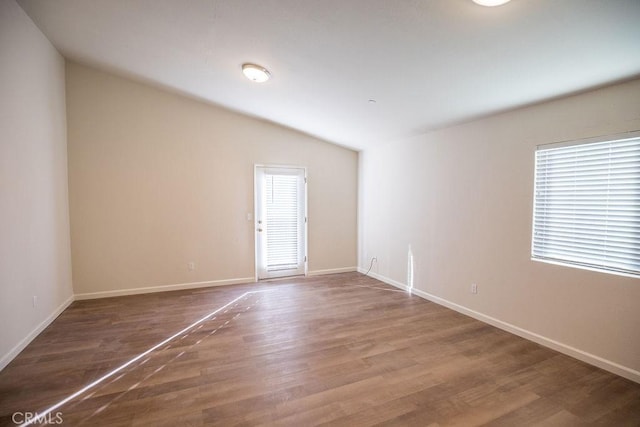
pixel 282 221
pixel 587 205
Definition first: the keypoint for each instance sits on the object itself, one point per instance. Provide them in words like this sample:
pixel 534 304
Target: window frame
pixel 635 134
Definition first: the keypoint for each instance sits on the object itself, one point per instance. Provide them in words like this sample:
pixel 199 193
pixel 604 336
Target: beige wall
pixel 462 198
pixel 34 218
pixel 158 180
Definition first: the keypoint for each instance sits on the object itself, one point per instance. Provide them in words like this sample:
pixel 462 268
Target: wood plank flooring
pixel 338 350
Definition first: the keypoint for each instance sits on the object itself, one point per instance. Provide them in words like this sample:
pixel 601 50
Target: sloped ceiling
pixel 426 63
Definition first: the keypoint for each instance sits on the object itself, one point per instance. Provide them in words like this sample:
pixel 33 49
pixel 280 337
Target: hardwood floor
pixel 343 349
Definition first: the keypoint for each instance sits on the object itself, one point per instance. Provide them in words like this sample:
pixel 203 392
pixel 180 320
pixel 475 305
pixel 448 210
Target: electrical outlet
pixel 474 288
pixel 192 266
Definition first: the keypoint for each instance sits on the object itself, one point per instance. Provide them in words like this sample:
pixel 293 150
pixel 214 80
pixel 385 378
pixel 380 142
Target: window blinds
pixel 282 222
pixel 587 205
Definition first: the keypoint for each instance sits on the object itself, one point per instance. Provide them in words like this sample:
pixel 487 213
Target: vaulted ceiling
pixel 426 63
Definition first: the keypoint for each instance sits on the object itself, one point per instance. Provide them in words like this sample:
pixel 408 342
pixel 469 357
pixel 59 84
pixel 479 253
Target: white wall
pixel 34 217
pixel 158 180
pixel 462 198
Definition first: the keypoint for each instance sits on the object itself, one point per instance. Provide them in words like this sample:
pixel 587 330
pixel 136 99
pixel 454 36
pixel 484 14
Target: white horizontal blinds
pixel 587 205
pixel 282 222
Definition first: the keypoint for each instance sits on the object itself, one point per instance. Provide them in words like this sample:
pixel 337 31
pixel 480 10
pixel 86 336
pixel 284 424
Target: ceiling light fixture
pixel 491 3
pixel 256 73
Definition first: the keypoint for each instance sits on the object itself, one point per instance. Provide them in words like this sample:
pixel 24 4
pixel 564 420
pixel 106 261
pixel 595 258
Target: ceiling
pixel 426 63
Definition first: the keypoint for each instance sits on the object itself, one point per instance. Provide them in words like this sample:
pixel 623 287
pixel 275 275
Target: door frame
pixel 257 166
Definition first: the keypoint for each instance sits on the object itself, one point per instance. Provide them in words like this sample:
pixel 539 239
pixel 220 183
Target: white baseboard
pixel 163 288
pixel 7 358
pixel 332 271
pixel 384 279
pixel 576 353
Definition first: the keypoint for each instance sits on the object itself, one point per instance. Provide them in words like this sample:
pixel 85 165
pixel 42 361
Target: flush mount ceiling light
pixel 491 3
pixel 256 73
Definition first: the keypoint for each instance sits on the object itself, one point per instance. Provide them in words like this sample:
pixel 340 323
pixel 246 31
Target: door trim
pixel 256 166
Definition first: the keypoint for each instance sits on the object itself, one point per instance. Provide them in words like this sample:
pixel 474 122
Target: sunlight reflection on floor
pixel 151 352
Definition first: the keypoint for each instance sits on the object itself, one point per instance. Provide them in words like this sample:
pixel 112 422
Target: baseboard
pixel 163 288
pixel 584 356
pixel 332 271
pixel 7 358
pixel 384 279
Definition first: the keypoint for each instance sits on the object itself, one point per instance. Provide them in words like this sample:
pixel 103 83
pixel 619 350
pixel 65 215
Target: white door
pixel 280 221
